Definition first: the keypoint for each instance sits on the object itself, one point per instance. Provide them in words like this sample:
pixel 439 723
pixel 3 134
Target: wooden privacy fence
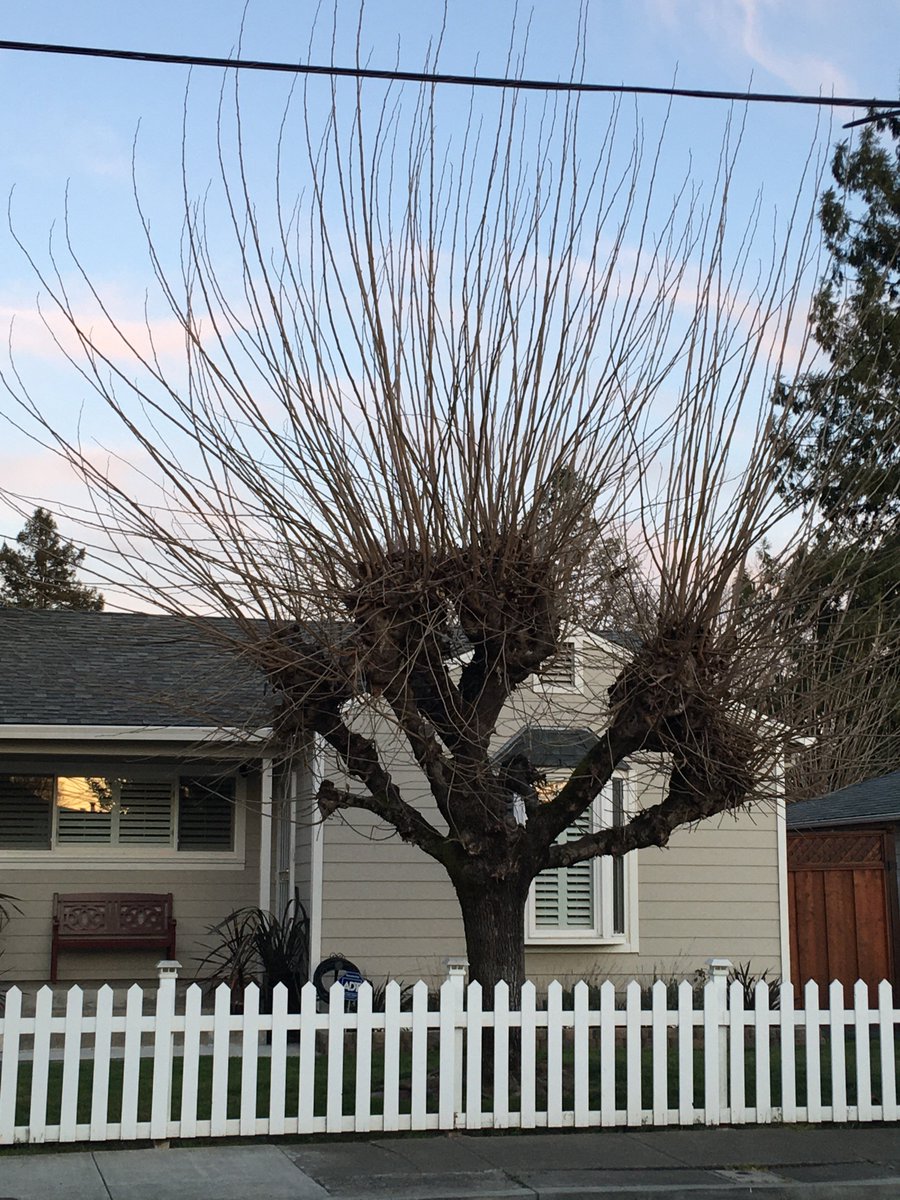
pixel 165 1068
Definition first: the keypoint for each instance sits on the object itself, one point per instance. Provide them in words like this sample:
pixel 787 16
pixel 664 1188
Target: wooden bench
pixel 111 921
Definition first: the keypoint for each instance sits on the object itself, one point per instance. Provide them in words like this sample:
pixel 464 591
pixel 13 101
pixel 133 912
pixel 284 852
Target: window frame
pixel 601 932
pixel 129 855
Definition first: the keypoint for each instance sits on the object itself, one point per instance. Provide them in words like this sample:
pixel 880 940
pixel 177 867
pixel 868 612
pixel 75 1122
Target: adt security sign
pixel 350 982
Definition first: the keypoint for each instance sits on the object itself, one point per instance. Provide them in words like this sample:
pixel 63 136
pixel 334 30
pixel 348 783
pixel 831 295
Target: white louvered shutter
pixel 564 899
pixel 206 813
pixel 25 811
pixel 145 813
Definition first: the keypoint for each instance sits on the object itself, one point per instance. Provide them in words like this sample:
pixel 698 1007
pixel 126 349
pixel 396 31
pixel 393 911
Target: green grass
pixel 293 1081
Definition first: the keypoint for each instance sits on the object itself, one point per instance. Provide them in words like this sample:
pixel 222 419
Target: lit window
pixel 587 901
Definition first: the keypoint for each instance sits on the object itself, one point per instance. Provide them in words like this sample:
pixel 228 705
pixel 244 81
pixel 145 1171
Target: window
pixel 587 901
pixel 68 811
pixel 26 811
pixel 205 814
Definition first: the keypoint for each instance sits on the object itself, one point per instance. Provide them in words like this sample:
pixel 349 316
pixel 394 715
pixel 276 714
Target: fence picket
pixel 102 1047
pixel 888 1058
pixel 500 1098
pixel 737 1053
pixel 554 1054
pixel 363 1108
pixel 334 1101
pixel 864 1110
pixel 418 1097
pixel 40 1067
pixel 528 1019
pixel 447 1009
pixel 278 1059
pixel 659 1047
pixel 391 1100
pixel 249 1059
pixel 633 1101
pixel 581 1053
pixel 788 1053
pixel 474 1025
pixel 68 1112
pixel 306 1076
pixel 812 1024
pixel 190 1063
pixel 131 1063
pixel 761 1043
pixel 9 1064
pixel 838 1052
pixel 607 1053
pixel 221 1048
pixel 685 1053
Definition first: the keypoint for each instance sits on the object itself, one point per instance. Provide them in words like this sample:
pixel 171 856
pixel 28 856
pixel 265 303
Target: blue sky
pixel 68 125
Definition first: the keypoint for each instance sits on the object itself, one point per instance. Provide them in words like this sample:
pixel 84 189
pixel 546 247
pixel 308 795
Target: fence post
pixel 717 969
pixel 161 1099
pixel 457 970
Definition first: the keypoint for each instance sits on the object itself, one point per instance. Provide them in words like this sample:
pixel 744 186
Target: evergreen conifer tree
pixel 40 571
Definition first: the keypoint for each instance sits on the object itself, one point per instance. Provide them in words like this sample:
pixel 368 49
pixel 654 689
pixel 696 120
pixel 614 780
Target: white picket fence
pixel 172 1070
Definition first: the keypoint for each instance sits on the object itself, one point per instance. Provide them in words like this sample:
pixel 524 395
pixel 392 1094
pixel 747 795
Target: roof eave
pixel 136 733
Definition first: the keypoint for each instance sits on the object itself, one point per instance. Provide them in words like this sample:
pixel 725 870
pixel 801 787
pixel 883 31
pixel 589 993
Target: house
pixel 135 756
pixel 843 894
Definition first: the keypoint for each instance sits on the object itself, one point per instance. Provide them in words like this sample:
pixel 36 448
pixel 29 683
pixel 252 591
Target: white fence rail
pixel 584 1057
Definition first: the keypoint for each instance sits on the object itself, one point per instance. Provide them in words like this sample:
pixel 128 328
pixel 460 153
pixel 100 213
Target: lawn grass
pixel 293 1081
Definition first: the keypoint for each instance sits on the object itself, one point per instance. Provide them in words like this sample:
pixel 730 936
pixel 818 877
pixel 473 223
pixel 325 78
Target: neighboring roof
pixel 619 637
pixel 123 669
pixel 550 747
pixel 861 803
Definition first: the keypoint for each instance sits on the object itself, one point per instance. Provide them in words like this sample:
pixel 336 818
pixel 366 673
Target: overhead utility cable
pixel 488 81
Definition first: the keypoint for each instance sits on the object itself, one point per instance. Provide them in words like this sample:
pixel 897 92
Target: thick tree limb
pixel 694 794
pixel 384 799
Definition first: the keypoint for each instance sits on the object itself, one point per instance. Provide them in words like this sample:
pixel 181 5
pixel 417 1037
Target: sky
pixel 71 129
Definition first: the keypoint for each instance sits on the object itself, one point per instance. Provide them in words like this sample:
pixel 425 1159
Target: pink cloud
pixel 41 333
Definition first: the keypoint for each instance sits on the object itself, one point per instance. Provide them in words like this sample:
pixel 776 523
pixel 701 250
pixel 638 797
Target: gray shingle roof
pixel 82 668
pixel 861 803
pixel 550 746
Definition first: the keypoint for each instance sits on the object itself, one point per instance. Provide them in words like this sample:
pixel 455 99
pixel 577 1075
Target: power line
pixel 488 81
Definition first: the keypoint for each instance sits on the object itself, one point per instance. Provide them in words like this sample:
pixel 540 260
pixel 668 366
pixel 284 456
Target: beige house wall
pixel 713 892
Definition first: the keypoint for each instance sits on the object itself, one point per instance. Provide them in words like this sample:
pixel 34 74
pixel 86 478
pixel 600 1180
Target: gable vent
pixel 559 671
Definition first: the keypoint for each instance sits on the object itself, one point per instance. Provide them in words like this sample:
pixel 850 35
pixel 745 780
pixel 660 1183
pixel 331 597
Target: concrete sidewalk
pixel 774 1163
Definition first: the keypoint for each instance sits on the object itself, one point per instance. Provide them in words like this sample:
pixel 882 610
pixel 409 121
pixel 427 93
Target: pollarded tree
pixel 42 571
pixel 361 466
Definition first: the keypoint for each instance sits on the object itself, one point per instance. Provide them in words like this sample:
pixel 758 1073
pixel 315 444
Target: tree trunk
pixel 494 920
